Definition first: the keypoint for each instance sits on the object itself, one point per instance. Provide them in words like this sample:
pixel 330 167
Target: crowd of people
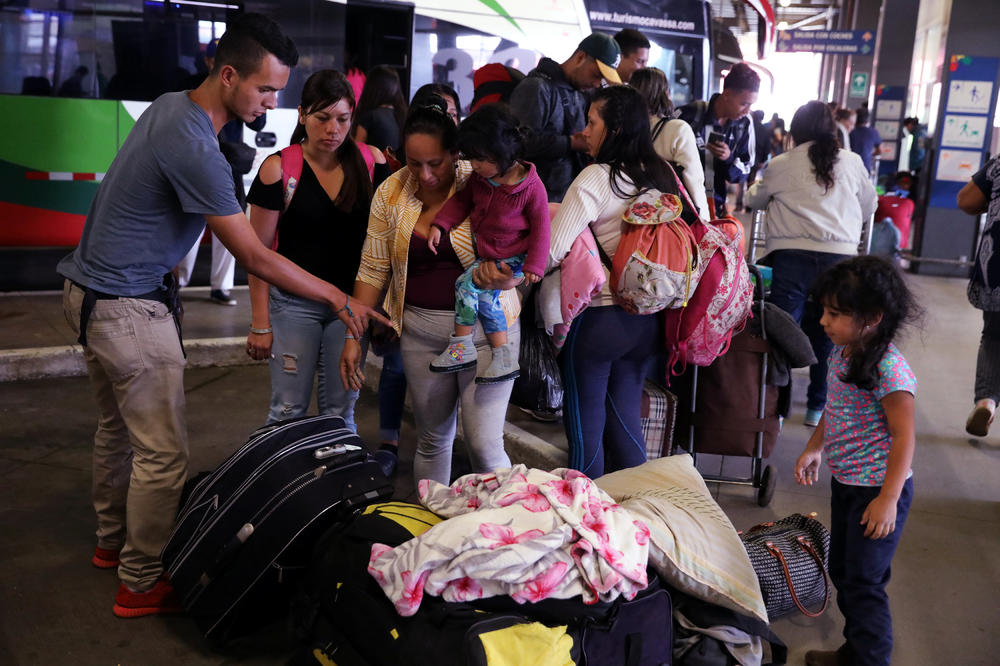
pixel 400 226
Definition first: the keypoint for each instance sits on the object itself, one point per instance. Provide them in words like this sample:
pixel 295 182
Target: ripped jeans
pixel 308 339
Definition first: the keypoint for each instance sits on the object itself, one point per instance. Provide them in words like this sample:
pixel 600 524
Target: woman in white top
pixel 608 351
pixel 673 139
pixel 817 198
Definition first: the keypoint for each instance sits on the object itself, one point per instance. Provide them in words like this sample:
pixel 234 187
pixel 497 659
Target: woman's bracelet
pixel 351 336
pixel 261 331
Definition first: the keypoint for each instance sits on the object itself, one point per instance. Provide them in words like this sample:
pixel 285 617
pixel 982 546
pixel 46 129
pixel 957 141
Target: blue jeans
pixel 308 340
pixel 860 569
pixel 604 365
pixel 795 272
pixel 391 394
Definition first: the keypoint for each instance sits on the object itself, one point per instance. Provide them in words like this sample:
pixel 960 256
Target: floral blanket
pixel 521 532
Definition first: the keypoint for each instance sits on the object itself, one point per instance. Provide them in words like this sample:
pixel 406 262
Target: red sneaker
pixel 160 599
pixel 105 558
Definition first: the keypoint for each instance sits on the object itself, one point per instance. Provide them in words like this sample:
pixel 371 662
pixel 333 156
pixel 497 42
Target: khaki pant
pixel 136 368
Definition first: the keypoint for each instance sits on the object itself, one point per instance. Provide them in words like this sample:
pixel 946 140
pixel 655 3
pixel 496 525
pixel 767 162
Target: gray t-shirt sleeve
pixel 200 176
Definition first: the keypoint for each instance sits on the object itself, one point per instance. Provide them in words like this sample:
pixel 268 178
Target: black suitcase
pixel 249 527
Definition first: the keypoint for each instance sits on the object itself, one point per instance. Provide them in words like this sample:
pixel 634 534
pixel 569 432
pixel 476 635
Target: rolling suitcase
pixel 900 210
pixel 249 527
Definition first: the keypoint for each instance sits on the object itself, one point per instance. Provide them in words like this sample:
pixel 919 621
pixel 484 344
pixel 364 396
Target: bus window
pixel 449 53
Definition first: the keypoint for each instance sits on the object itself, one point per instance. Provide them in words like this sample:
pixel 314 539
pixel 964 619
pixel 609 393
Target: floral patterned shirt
pixel 857 440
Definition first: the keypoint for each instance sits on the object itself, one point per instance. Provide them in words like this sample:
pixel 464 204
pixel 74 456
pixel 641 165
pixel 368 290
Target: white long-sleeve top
pixel 676 143
pixel 590 200
pixel 801 215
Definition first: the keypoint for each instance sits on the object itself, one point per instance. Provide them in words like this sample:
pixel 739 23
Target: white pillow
pixel 693 545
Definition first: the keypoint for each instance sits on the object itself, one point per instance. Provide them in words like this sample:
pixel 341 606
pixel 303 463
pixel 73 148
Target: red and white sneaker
pixel 158 600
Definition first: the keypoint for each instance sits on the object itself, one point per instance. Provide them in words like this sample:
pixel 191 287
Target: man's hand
pixel 356 316
pixel 720 150
pixel 578 143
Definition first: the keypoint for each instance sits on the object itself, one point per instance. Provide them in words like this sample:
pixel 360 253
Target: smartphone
pixel 716 137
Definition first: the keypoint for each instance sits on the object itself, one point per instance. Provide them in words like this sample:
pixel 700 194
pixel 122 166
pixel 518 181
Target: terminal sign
pixel 846 42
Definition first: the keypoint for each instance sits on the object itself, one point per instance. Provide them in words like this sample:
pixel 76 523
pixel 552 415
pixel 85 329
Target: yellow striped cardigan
pixel 394 212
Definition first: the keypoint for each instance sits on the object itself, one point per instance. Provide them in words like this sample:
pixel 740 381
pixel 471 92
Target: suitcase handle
pixel 335 450
pixel 226 555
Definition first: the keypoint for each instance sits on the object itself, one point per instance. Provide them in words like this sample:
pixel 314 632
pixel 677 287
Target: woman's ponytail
pixel 823 155
pixel 813 121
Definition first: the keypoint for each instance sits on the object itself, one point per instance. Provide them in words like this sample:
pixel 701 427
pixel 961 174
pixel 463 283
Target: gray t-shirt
pixel 150 208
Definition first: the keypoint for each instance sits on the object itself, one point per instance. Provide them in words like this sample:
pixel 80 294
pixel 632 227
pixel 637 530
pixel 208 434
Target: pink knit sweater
pixel 506 219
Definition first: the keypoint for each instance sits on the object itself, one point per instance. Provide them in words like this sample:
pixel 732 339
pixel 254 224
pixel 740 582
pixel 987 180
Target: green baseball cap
pixel 605 50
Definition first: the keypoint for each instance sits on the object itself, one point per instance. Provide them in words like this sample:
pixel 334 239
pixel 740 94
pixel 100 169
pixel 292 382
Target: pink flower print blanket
pixel 521 532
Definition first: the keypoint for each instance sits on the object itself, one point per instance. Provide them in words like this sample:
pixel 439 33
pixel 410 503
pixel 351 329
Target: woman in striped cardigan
pixel 420 298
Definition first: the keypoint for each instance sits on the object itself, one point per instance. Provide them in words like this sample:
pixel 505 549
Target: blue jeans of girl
pixel 308 340
pixel 860 569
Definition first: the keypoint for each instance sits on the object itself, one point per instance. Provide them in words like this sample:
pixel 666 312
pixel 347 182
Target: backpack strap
pixel 291 171
pixel 605 259
pixel 658 127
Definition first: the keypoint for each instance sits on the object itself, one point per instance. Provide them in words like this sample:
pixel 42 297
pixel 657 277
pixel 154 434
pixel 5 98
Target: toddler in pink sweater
pixel 507 206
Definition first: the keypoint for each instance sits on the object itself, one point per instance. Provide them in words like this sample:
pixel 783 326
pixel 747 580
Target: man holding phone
pixel 723 129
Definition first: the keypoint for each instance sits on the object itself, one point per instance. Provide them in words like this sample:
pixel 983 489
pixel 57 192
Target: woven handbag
pixel 790 558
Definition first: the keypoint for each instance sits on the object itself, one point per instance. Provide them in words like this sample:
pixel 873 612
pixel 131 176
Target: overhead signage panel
pixel 842 42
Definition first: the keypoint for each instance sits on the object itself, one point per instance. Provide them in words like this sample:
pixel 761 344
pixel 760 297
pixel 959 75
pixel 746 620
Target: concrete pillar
pixel 947 232
pixel 865 17
pixel 895 48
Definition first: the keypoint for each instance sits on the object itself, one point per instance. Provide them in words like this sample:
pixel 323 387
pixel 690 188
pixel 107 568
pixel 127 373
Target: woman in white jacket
pixel 673 139
pixel 817 198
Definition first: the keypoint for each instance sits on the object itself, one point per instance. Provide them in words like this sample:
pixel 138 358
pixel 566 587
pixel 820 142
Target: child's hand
pixel 433 238
pixel 807 468
pixel 880 517
pixel 531 278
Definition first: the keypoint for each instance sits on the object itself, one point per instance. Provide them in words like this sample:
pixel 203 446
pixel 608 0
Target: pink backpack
pixel 700 332
pixel 291 172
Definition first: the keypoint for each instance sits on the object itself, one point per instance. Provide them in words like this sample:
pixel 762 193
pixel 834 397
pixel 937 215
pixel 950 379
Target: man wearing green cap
pixel 551 100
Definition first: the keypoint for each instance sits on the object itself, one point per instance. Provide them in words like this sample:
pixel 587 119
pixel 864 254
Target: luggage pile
pixel 299 523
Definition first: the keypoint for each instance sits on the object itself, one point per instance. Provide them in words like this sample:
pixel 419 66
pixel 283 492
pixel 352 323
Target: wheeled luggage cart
pixel 746 351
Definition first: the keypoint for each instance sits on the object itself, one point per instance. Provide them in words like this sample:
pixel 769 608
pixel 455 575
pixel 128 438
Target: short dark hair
pixel 742 77
pixel 862 116
pixel 248 40
pixel 843 113
pixel 492 133
pixel 630 41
